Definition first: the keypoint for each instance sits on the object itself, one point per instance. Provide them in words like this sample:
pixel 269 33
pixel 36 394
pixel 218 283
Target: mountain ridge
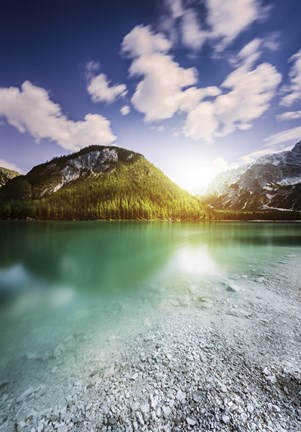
pixel 98 182
pixel 271 182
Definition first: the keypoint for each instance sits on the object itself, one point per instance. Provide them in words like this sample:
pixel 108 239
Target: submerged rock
pixel 233 287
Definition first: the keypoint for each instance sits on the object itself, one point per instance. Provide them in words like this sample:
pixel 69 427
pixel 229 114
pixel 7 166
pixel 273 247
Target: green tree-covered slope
pixel 98 183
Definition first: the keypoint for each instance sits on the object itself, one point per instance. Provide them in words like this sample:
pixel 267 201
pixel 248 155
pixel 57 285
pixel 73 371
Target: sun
pixel 195 177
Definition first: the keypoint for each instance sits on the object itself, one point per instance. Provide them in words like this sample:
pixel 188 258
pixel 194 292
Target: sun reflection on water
pixel 196 261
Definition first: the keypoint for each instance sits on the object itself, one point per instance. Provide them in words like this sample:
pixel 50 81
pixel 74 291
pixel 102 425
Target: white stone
pixel 190 421
pixel 180 395
pixel 166 411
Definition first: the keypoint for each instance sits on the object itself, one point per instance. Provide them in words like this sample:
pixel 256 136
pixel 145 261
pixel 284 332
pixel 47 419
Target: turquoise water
pixel 70 280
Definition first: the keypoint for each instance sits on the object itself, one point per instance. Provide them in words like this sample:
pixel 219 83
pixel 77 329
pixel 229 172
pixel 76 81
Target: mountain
pixel 271 182
pixel 97 183
pixel 6 174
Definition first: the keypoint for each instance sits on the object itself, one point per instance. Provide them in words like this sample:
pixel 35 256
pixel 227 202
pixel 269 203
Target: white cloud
pixel 224 21
pixel 91 67
pixel 31 110
pixel 100 90
pixel 142 41
pixel 191 97
pixel 250 53
pixel 293 90
pixel 289 115
pixel 272 41
pixel 166 88
pixel 201 122
pixel 249 96
pixel 160 92
pixel 228 18
pixel 125 110
pixel 293 134
pixel 176 8
pixel 192 34
pixel 10 166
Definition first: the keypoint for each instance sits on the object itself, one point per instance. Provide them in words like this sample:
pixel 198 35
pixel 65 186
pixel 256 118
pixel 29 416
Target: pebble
pixel 190 421
pixel 272 379
pixel 145 408
pixel 223 388
pixel 180 395
pixel 194 375
pixel 225 419
pixel 166 411
pixel 261 279
pixel 233 287
pixel 250 408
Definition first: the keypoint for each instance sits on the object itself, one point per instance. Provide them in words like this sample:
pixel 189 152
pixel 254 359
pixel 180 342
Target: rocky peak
pixel 272 181
pixel 297 148
pixel 89 162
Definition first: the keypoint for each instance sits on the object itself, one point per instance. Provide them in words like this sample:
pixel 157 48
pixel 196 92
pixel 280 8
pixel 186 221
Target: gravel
pixel 232 367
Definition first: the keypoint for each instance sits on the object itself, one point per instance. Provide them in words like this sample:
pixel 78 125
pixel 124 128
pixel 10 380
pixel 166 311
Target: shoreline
pixel 221 362
pixel 203 221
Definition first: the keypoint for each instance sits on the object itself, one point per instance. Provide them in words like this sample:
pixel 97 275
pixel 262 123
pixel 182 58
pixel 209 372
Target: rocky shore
pixel 228 362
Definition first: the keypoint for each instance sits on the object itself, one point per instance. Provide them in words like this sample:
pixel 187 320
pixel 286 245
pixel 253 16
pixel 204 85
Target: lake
pixel 74 292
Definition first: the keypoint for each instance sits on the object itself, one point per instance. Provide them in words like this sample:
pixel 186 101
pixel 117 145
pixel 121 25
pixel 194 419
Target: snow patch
pixel 290 181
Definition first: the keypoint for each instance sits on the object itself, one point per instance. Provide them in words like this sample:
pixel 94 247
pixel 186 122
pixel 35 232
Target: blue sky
pixel 197 86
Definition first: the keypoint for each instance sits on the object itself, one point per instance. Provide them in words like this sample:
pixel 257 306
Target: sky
pixel 196 86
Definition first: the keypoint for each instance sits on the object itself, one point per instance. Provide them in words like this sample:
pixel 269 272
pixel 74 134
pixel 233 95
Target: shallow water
pixel 63 283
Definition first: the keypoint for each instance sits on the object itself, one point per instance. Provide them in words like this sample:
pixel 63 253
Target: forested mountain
pixel 98 183
pixel 6 175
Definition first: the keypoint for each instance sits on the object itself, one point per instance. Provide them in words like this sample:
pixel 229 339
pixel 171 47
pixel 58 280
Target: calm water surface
pixel 60 279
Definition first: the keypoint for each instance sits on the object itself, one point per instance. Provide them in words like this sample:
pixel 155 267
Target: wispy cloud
pixel 10 166
pixel 253 156
pixel 289 115
pixel 293 134
pixel 125 110
pixel 101 90
pixel 218 22
pixel 292 92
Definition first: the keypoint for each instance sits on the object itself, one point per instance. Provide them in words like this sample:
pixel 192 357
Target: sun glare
pixel 196 261
pixel 196 177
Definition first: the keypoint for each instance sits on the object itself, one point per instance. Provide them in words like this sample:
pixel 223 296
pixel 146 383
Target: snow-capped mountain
pixel 272 181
